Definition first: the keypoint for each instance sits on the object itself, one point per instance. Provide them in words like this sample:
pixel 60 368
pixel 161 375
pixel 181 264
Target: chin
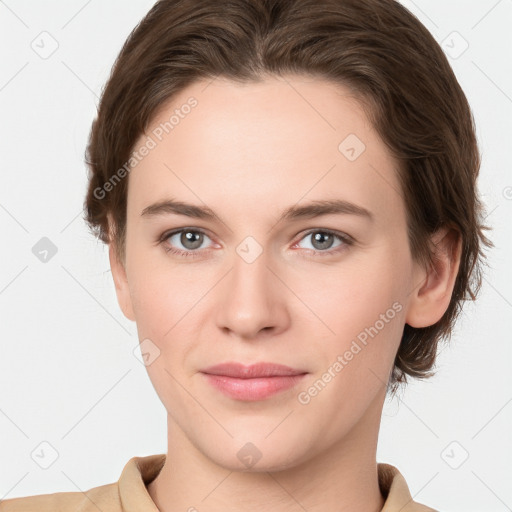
pixel 252 453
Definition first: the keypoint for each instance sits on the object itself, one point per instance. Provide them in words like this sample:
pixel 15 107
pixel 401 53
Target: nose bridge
pixel 250 298
pixel 250 278
pixel 250 265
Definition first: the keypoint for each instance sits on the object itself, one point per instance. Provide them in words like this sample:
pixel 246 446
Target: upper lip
pixel 253 371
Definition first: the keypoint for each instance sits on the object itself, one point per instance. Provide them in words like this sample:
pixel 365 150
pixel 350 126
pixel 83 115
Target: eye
pixel 191 240
pixel 321 240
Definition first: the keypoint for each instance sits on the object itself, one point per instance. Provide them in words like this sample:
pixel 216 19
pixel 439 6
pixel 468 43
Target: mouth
pixel 254 382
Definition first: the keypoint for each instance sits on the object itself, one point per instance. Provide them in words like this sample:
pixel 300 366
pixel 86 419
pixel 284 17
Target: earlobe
pixel 121 283
pixel 430 299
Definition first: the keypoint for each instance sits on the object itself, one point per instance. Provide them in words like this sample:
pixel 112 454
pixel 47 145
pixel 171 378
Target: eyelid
pixel 166 234
pixel 343 236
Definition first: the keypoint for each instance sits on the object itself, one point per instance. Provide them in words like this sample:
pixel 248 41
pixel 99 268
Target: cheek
pixel 361 308
pixel 154 295
pixel 163 302
pixel 169 302
pixel 364 309
pixel 356 293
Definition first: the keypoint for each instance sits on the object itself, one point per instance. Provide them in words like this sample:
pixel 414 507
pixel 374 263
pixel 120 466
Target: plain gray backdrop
pixel 75 401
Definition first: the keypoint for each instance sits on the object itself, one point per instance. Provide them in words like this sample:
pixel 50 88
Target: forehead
pixel 268 144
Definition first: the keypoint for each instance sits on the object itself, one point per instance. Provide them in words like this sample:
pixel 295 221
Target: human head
pixel 377 49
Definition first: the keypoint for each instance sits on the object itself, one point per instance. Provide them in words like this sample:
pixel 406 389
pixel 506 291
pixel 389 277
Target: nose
pixel 251 302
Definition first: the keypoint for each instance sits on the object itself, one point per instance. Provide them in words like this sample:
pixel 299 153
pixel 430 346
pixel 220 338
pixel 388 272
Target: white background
pixel 68 375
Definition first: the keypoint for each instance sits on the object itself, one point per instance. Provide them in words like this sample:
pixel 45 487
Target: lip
pixel 253 371
pixel 252 382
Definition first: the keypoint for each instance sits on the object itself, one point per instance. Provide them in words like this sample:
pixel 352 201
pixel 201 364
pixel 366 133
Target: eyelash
pixel 347 241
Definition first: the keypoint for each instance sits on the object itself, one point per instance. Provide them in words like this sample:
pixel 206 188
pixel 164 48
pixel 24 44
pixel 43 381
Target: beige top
pixel 129 494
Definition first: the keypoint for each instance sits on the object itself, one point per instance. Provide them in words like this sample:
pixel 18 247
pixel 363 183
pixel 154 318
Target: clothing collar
pixel 140 471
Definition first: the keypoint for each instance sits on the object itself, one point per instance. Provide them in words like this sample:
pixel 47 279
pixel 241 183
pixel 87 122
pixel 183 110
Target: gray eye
pixel 188 238
pixel 321 240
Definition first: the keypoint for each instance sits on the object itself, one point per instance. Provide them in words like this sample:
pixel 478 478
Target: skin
pixel 248 152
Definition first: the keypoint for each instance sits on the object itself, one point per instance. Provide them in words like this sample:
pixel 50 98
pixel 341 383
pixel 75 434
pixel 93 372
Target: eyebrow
pixel 310 210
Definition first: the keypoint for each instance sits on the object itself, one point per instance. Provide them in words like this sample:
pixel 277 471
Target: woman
pixel 288 191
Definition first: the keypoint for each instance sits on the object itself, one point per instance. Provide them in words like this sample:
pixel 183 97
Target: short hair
pixel 376 48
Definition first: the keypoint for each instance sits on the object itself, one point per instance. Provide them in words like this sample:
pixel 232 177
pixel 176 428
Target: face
pixel 300 258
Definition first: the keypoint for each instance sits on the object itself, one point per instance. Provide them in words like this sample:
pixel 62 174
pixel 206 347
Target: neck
pixel 342 478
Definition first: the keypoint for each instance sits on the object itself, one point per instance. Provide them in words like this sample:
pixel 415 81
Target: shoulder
pixel 396 491
pixel 104 498
pixel 130 489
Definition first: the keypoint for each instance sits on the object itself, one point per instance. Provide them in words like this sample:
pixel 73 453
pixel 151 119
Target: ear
pixel 121 283
pixel 430 300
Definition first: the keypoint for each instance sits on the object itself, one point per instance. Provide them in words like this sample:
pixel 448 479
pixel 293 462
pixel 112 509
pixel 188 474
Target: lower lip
pixel 253 389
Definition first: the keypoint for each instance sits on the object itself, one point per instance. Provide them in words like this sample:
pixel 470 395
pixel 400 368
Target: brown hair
pixel 376 48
